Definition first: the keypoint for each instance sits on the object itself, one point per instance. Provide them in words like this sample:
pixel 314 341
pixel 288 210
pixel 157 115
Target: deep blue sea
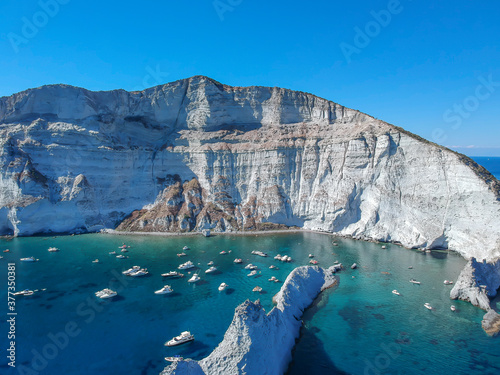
pixel 359 327
pixel 491 163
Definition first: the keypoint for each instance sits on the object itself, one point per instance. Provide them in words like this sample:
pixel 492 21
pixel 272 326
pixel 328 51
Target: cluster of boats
pixel 283 258
pixel 136 271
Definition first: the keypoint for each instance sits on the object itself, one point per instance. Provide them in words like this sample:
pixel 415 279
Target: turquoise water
pixel 359 327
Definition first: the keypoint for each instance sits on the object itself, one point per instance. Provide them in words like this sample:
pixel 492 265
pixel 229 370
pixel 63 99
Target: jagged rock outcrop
pixel 477 283
pixel 260 343
pixel 256 157
pixel 491 323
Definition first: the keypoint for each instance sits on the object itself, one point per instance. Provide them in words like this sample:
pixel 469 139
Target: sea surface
pixel 359 327
pixel 491 163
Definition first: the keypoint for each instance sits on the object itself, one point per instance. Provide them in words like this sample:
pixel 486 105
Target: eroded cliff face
pixel 197 154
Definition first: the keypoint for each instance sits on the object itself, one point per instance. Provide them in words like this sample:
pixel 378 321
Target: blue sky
pixel 432 68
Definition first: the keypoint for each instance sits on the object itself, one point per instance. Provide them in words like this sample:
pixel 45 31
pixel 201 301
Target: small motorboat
pixel 238 260
pixel 311 256
pixel 25 292
pixel 273 267
pixel 259 253
pixel 335 244
pixel 211 269
pixel 428 306
pixel 384 247
pixel 187 265
pixel 165 290
pixel 286 258
pixel 413 281
pixel 6 251
pixel 396 292
pixel 354 266
pixel 139 272
pixel 172 274
pixel 95 261
pixel 211 263
pixel 106 293
pixel 410 267
pixel 448 282
pixel 185 248
pixel 313 261
pixel 257 289
pixel 124 250
pixel 253 273
pixel 278 257
pixel 53 249
pixel 131 270
pixel 453 308
pixel 194 278
pixel 121 256
pixel 223 252
pixel 249 266
pixel 184 337
pixel 181 254
pixel 112 253
pixel 222 287
pixel 176 358
pixel 29 259
pixel 273 278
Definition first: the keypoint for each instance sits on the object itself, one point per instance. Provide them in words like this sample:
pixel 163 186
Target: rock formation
pixel 260 343
pixel 197 154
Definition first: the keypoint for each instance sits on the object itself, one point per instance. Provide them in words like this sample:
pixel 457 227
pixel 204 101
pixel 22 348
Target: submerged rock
pixel 477 282
pixel 257 343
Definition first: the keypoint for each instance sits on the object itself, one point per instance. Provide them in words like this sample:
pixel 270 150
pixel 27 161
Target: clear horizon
pixel 431 69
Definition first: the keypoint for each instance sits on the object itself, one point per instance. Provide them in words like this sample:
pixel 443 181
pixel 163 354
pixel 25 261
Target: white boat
pixel 112 253
pixel 25 292
pixel 95 261
pixel 313 261
pixel 186 266
pixel 384 247
pixel 165 290
pixel 121 256
pixel 249 266
pixel 278 257
pixel 273 267
pixel 185 248
pixel 139 272
pixel 253 273
pixel 211 269
pixel 410 267
pixel 273 278
pixel 176 358
pixel 194 278
pixel 124 250
pixel 181 254
pixel 428 306
pixel 184 337
pixel 29 259
pixel 311 256
pixel 257 289
pixel 396 292
pixel 238 260
pixel 211 263
pixel 448 282
pixel 286 258
pixel 223 252
pixel 106 293
pixel 222 287
pixel 453 308
pixel 172 274
pixel 354 266
pixel 259 253
pixel 413 281
pixel 130 270
pixel 53 249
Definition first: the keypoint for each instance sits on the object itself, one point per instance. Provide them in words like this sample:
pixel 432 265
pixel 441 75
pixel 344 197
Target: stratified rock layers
pixel 197 154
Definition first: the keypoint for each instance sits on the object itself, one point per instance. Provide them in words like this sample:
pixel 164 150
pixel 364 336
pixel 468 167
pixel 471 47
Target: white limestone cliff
pixel 260 343
pixel 197 154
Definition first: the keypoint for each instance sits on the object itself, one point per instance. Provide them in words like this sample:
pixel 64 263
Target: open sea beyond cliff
pixel 359 327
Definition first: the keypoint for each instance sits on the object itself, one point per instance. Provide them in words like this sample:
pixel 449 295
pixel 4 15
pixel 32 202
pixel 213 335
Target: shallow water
pixel 358 327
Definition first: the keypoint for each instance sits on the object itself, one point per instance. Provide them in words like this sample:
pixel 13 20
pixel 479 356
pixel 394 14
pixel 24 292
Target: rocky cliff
pixel 260 343
pixel 197 154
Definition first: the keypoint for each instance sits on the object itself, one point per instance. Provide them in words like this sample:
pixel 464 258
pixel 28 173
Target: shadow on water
pixel 309 355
